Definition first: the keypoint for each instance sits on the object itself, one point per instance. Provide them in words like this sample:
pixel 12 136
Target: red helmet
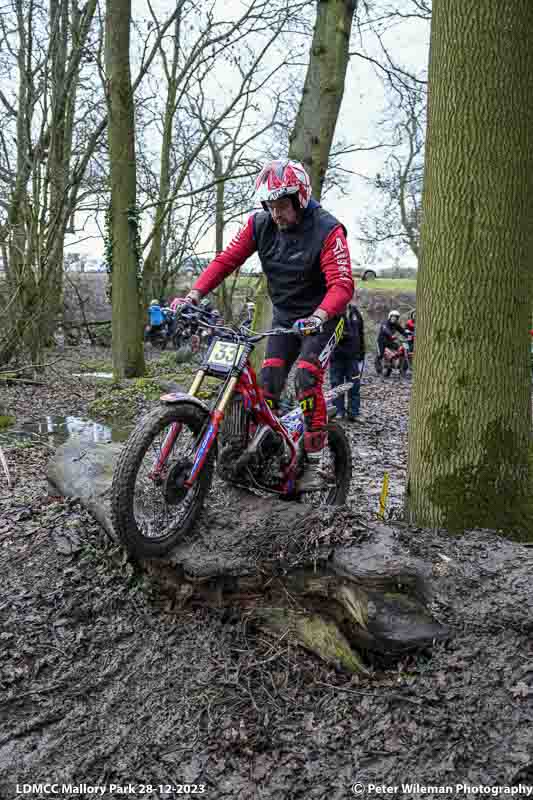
pixel 280 179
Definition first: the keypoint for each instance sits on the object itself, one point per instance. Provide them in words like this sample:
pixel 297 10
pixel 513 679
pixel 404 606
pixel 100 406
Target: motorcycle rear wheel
pixel 144 511
pixel 341 456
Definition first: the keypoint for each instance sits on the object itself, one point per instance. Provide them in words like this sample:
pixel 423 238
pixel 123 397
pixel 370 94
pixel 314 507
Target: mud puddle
pixel 58 429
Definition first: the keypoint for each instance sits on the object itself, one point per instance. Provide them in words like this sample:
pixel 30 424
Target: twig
pixel 3 461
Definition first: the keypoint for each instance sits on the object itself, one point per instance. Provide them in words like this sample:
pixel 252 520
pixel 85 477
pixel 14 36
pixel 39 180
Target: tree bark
pixel 128 349
pixel 470 416
pixel 312 136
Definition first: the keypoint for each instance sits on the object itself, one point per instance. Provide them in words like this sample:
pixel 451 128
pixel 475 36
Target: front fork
pixel 212 431
pixel 173 433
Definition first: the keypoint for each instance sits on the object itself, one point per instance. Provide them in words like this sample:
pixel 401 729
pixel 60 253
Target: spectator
pixel 156 318
pixel 387 337
pixel 347 363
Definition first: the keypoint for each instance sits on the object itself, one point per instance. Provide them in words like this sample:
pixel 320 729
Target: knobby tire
pixel 125 475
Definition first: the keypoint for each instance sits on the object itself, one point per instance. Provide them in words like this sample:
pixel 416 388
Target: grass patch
pixel 167 365
pixel 6 421
pixel 401 284
pixel 124 403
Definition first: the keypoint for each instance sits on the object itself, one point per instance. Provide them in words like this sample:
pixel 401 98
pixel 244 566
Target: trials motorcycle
pixel 166 468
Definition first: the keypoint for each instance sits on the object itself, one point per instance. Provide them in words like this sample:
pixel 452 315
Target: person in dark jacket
pixel 347 363
pixel 304 254
pixel 387 336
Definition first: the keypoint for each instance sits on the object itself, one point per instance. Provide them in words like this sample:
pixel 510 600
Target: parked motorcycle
pixel 157 336
pixel 165 470
pixel 395 359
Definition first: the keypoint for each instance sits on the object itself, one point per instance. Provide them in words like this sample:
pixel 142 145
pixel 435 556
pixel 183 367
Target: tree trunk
pixel 152 281
pixel 58 165
pixel 262 322
pixel 225 293
pixel 312 136
pixel 470 416
pixel 128 350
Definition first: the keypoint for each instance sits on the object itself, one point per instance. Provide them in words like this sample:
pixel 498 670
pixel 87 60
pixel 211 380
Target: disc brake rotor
pixel 174 490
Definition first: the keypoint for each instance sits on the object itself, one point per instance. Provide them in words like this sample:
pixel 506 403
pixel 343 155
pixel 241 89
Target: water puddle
pixel 58 429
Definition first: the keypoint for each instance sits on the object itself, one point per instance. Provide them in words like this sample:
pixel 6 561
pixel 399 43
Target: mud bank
pixel 103 679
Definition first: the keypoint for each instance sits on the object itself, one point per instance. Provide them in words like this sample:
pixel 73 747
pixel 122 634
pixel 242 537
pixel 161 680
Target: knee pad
pixel 305 381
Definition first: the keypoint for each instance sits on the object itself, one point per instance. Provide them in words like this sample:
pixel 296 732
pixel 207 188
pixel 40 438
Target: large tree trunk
pixel 312 136
pixel 470 417
pixel 128 350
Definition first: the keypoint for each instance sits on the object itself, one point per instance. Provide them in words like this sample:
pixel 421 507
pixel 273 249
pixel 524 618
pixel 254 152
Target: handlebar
pixel 243 332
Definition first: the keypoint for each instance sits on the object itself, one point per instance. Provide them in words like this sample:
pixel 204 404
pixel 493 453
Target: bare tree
pixel 55 119
pixel 128 351
pixel 314 128
pixel 397 216
pixel 46 50
pixel 188 128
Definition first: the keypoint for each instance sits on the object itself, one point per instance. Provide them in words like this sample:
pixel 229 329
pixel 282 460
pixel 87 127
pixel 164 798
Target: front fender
pixel 171 398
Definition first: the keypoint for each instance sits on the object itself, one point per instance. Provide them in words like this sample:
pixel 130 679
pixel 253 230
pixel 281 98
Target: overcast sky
pixel 362 112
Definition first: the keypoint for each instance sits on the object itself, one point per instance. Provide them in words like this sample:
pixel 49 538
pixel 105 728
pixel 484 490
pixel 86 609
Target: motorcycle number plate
pixel 223 355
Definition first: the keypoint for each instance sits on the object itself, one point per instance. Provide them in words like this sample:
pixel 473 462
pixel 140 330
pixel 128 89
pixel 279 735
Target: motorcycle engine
pixel 261 466
pixel 269 460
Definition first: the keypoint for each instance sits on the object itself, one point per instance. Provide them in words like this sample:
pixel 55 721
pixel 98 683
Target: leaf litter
pixel 101 680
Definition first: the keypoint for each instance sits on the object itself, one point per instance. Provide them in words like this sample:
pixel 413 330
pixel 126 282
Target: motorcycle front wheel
pixel 152 513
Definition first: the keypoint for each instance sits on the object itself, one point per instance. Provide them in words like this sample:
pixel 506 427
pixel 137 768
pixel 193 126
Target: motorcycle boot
pixel 312 480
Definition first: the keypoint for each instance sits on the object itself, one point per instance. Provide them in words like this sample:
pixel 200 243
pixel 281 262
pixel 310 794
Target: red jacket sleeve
pixel 336 265
pixel 241 247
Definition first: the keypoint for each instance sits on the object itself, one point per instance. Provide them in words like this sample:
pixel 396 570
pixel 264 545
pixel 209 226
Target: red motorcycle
pixel 165 470
pixel 395 359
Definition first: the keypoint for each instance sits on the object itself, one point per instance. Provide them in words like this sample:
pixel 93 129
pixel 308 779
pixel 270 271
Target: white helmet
pixel 250 306
pixel 284 178
pixel 154 302
pixel 394 313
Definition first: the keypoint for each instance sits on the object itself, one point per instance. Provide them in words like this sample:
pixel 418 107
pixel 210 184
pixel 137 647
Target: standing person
pixel 304 255
pixel 347 363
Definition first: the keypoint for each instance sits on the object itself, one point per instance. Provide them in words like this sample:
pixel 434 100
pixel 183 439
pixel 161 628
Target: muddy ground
pixel 102 681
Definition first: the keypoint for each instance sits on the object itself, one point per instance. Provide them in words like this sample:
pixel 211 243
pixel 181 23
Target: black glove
pixel 308 325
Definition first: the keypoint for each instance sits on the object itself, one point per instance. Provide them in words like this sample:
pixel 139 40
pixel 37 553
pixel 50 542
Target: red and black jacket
pixel 307 267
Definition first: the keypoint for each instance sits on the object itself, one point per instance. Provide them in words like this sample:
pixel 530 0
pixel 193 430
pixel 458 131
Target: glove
pixel 307 325
pixel 193 297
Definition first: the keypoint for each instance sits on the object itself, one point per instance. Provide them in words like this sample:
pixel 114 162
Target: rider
pixel 387 334
pixel 304 255
pixel 156 317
